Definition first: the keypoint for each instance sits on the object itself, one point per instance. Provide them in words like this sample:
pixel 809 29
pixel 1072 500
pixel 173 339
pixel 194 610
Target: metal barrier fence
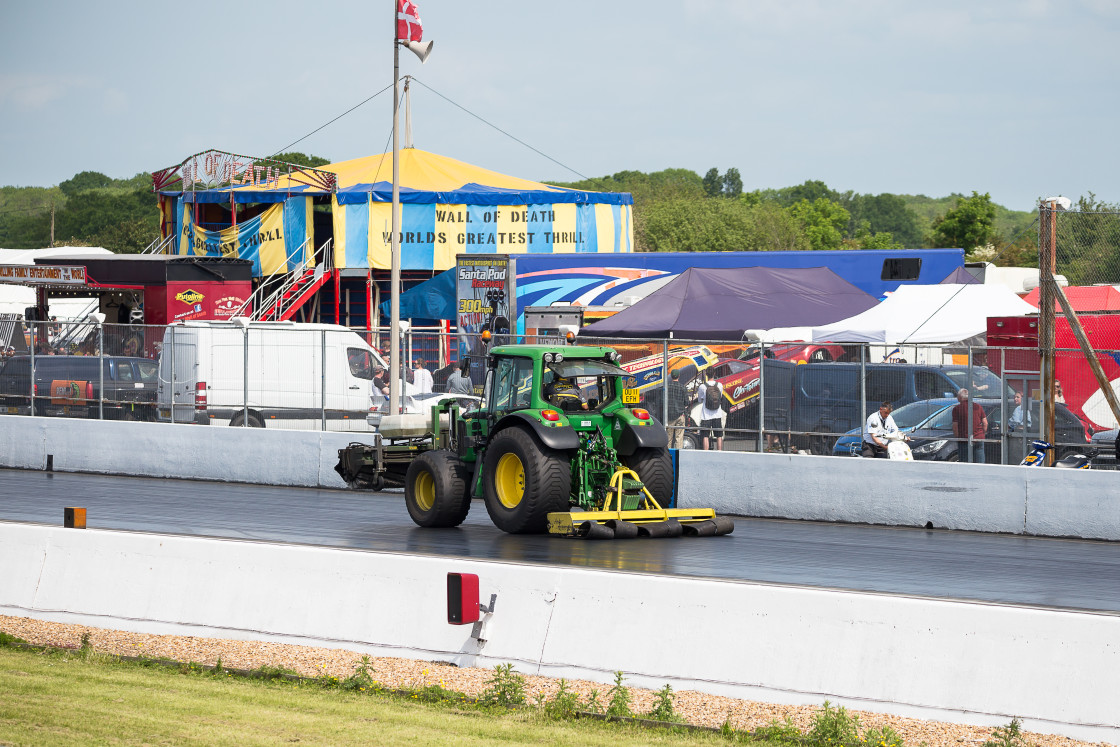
pixel 788 397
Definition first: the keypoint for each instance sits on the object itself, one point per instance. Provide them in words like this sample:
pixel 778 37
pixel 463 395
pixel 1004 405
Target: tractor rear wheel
pixel 655 470
pixel 524 481
pixel 435 490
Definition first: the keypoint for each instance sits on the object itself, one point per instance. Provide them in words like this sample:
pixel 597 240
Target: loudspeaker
pixel 420 49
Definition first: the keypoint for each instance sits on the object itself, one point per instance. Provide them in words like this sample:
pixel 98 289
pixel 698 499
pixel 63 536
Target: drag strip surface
pixel 1077 574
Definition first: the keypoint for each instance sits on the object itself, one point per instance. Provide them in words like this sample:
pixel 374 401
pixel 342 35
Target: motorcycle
pixel 897 448
pixel 1037 457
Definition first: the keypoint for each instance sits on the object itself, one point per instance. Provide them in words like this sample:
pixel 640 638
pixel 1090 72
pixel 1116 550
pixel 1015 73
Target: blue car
pixel 923 415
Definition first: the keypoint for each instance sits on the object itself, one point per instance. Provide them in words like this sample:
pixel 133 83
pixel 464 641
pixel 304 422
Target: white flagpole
pixel 395 246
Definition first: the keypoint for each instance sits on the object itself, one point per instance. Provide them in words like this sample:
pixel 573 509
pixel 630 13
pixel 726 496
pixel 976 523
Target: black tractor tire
pixel 523 481
pixel 435 490
pixel 655 469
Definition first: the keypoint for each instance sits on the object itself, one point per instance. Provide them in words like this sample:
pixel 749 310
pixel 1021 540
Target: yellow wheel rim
pixel 509 481
pixel 424 491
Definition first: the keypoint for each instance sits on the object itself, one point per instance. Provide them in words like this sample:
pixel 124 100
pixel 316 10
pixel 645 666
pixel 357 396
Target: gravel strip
pixel 695 707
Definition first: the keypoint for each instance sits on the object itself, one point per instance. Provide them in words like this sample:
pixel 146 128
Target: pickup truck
pixel 70 386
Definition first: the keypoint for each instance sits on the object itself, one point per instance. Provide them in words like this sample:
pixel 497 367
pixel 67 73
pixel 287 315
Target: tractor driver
pixel 561 392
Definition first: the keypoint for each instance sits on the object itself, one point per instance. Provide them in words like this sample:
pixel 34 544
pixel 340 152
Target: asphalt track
pixel 1075 574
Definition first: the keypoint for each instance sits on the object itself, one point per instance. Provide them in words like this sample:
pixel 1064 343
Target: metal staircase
pixel 283 302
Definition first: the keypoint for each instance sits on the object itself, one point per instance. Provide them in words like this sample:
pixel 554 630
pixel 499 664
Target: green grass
pixel 63 698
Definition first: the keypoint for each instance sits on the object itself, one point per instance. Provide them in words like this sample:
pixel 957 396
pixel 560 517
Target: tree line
pixel 92 209
pixel 675 210
pixel 678 210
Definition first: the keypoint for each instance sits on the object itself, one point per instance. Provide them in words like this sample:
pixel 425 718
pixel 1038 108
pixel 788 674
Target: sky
pixel 1016 98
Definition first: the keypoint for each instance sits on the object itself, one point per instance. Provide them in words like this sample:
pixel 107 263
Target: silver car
pixel 417 403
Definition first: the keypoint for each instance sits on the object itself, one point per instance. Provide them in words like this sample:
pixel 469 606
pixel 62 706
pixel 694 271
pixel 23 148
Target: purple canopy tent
pixel 719 304
pixel 959 276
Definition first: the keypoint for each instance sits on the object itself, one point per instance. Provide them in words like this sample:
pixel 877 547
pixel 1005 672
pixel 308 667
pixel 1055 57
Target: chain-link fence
pixel 787 397
pixel 1087 244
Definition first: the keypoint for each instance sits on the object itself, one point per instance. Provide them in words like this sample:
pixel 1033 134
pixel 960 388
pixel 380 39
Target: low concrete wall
pixel 988 498
pixel 252 455
pixel 976 663
pixel 978 497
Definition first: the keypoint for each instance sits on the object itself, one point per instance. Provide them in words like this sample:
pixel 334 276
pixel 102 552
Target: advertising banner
pixel 483 288
pixel 45 275
pixel 186 301
pixel 271 240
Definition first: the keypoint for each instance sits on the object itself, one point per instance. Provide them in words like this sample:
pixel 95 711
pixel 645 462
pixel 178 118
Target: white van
pixel 290 367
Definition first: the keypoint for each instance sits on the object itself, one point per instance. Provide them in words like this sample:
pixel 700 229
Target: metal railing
pixel 788 397
pixel 159 245
pixel 268 298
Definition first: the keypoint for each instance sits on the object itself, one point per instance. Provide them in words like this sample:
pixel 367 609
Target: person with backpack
pixel 710 395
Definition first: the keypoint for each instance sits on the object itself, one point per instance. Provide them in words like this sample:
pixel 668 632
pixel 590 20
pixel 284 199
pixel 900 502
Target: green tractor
pixel 558 445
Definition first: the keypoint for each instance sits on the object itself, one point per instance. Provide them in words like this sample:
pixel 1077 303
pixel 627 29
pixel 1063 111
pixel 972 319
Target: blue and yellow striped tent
pixel 449 207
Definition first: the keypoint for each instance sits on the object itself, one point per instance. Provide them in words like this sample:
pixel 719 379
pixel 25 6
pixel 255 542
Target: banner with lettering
pixel 276 241
pixel 484 288
pixel 433 233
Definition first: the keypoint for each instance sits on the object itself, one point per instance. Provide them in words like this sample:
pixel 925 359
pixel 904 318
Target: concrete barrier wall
pixel 989 498
pixel 978 497
pixel 977 663
pixel 252 455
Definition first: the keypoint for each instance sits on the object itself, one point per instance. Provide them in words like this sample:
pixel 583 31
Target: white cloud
pixel 30 93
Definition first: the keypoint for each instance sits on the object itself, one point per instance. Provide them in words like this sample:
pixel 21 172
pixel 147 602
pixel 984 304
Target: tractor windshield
pixel 581 384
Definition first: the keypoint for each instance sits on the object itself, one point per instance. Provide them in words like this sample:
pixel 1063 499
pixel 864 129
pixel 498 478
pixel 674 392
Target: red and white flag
pixel 408 22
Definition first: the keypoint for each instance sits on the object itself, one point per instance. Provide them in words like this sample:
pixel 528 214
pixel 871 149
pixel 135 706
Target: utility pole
pixel 52 225
pixel 1047 236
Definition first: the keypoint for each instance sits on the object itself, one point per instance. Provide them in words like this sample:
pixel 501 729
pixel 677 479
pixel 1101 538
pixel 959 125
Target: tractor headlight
pixel 558 358
pixel 548 357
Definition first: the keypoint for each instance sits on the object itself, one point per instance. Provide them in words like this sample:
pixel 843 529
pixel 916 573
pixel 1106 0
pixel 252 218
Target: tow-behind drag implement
pixel 556 446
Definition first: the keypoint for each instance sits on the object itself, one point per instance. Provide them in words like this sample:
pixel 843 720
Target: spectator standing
pixel 962 413
pixel 1059 396
pixel 678 407
pixel 460 381
pixel 710 395
pixel 380 381
pixel 1020 416
pixel 421 377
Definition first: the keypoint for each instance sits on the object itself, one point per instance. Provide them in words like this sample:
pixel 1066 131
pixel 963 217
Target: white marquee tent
pixel 927 314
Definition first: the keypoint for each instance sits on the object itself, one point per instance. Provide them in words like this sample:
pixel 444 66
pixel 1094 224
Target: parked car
pixel 907 418
pixel 929 424
pixel 415 404
pixel 70 386
pixel 826 396
pixel 1103 443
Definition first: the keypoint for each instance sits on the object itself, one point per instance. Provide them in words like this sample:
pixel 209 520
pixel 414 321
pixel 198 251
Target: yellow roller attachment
pixel 565 522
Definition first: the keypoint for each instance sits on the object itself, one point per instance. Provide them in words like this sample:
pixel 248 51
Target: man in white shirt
pixel 879 425
pixel 422 377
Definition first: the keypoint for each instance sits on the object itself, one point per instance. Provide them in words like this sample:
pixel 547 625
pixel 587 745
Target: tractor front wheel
pixel 655 469
pixel 435 490
pixel 524 481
